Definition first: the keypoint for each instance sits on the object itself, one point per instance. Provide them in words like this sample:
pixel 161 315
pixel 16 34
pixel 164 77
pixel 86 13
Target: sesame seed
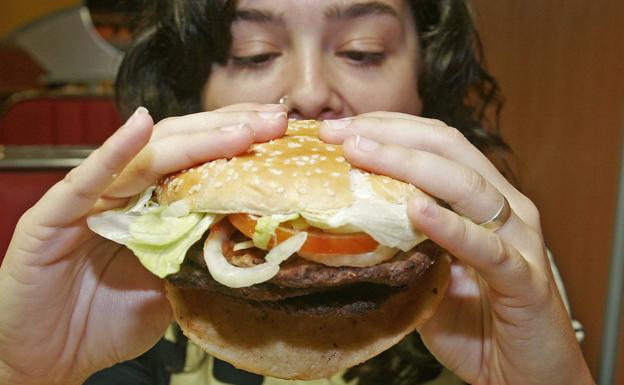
pixel 330 192
pixel 280 189
pixel 275 172
pixel 340 159
pixel 318 171
pixel 218 185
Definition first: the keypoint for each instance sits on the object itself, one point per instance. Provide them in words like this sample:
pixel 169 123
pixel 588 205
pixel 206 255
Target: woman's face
pixel 332 58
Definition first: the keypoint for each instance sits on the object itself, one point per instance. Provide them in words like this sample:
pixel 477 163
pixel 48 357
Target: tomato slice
pixel 318 241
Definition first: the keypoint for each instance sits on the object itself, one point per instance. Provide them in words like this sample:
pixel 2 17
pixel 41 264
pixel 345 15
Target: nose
pixel 310 92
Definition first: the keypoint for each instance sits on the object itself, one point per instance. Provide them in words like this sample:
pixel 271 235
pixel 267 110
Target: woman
pixel 74 303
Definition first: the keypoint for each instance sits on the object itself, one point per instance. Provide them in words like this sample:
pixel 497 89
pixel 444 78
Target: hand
pixel 502 320
pixel 73 302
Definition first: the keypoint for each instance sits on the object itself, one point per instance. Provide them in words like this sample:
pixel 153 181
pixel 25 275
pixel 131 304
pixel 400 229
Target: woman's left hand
pixel 502 320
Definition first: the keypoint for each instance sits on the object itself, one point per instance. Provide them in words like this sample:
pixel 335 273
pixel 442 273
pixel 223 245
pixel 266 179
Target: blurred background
pixel 560 64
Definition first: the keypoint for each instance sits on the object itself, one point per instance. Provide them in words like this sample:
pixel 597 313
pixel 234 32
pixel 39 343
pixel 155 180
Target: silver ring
pixel 283 99
pixel 500 218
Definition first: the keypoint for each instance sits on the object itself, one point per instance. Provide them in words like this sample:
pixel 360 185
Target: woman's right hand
pixel 72 302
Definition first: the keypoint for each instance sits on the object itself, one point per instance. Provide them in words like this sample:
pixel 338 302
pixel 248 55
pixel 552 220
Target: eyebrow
pixel 338 12
pixel 259 16
pixel 348 12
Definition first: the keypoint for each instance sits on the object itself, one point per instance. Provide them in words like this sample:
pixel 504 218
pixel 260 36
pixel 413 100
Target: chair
pixel 19 190
pixel 37 132
pixel 51 118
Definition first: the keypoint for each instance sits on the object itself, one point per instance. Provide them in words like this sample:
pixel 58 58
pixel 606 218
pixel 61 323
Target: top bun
pixel 297 173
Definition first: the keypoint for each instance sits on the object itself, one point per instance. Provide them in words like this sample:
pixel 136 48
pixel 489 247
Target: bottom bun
pixel 291 346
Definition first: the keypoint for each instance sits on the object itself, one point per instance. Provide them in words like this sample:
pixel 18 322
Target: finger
pixel 178 152
pixel 400 115
pixel 77 193
pixel 418 133
pixel 500 264
pixel 464 189
pixel 409 130
pixel 266 124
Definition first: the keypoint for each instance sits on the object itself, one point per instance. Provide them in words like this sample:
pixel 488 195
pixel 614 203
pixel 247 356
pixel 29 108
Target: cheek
pixel 391 93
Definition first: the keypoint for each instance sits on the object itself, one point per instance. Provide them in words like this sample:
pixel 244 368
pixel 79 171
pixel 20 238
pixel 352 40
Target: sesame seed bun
pixel 300 174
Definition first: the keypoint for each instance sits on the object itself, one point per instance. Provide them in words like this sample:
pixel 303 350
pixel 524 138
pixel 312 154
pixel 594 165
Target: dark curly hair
pixel 178 40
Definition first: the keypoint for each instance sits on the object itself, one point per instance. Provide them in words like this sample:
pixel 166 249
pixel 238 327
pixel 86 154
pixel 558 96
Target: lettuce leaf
pixel 266 226
pixel 163 260
pixel 155 229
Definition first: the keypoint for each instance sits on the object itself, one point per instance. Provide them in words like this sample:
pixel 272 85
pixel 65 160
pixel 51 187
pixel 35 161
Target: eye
pixel 364 58
pixel 254 61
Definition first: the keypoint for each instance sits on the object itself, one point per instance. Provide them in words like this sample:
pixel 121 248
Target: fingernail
pixel 236 127
pixel 365 144
pixel 140 110
pixel 270 115
pixel 338 124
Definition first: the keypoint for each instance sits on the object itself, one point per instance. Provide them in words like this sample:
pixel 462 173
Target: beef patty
pixel 299 277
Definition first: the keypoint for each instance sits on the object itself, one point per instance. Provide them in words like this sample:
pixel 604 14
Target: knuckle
pixel 144 172
pixel 461 232
pixel 500 256
pixel 142 168
pixel 506 260
pixel 166 122
pixel 530 211
pixel 474 182
pixel 436 122
pixel 71 180
pixel 450 135
pixel 362 123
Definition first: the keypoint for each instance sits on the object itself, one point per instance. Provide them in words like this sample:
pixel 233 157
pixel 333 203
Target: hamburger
pixel 285 261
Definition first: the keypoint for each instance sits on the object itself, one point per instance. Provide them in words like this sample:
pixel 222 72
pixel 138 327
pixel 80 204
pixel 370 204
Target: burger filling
pixel 281 261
